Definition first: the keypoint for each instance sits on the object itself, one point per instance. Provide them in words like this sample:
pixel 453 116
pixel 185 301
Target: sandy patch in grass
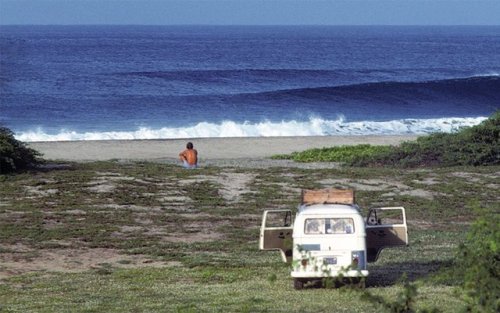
pixel 393 187
pixel 143 219
pixel 429 195
pixel 420 224
pixel 117 177
pixel 37 191
pixel 467 176
pixel 493 186
pixel 366 184
pixel 23 259
pixel 233 185
pixel 427 181
pixel 113 176
pixel 196 228
pixel 129 207
pixel 475 177
pixel 261 163
pixel 105 182
pixel 288 189
pixel 424 225
pixel 75 212
pixel 102 187
pixel 193 237
pixel 12 215
pixel 173 200
pixel 128 229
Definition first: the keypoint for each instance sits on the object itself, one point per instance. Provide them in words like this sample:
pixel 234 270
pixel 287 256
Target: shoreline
pixel 228 148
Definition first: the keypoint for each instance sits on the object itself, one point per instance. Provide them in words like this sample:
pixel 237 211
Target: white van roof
pixel 329 208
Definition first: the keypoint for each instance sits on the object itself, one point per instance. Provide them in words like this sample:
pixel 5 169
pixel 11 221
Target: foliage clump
pixel 475 270
pixel 404 302
pixel 14 154
pixel 344 154
pixel 476 146
pixel 477 264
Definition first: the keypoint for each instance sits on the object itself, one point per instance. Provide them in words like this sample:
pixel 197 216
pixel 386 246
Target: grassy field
pixel 146 237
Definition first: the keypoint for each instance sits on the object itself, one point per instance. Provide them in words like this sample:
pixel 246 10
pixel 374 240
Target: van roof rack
pixel 327 196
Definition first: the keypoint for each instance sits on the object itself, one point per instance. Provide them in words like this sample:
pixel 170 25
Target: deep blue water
pixel 99 82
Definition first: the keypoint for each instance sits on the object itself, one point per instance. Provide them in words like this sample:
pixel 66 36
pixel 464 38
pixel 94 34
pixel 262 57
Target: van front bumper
pixel 319 274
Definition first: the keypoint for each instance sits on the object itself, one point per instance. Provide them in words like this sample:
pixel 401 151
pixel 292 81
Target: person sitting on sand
pixel 189 157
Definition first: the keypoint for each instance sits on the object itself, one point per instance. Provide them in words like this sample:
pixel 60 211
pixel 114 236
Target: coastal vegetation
pixel 121 236
pixel 136 237
pixel 478 145
pixel 477 264
pixel 14 154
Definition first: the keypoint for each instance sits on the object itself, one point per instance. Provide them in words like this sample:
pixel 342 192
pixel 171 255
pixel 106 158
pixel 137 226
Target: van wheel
pixel 298 284
pixel 362 283
pixel 359 282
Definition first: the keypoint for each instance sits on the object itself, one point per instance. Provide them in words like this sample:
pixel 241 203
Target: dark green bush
pixel 478 145
pixel 477 265
pixel 335 154
pixel 14 154
pixel 475 270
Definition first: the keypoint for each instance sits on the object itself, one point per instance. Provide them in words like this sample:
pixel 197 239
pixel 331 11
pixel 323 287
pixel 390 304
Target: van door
pixel 276 233
pixel 385 228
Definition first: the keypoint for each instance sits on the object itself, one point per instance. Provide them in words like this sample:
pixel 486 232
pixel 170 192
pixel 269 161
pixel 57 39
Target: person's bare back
pixel 189 157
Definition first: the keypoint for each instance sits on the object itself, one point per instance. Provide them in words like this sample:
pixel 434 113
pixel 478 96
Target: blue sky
pixel 252 12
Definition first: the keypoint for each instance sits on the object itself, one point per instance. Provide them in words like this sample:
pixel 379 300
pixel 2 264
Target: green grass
pixel 207 244
pixel 343 154
pixel 192 290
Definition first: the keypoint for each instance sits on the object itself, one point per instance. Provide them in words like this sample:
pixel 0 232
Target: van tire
pixel 359 282
pixel 362 284
pixel 298 284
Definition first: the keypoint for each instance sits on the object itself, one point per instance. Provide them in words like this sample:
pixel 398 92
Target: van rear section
pixel 328 236
pixel 329 241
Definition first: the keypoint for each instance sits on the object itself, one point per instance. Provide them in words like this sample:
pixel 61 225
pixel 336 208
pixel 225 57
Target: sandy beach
pixel 208 148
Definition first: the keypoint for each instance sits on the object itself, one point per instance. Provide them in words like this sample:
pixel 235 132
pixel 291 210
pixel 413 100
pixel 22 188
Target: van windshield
pixel 315 226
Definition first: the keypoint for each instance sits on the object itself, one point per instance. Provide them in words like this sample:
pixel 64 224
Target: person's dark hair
pixel 189 145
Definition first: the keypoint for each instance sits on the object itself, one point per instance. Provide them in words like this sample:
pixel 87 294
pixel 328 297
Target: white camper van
pixel 328 236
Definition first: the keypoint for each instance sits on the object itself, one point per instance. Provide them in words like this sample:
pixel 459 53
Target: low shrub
pixel 345 154
pixel 476 146
pixel 477 264
pixel 14 154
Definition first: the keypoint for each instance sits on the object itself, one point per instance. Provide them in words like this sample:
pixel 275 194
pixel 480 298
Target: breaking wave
pixel 312 127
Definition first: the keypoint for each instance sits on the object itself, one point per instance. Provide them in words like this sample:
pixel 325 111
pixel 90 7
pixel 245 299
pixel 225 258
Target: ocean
pixel 151 82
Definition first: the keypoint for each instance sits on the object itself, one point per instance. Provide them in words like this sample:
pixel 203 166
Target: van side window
pixel 279 219
pixel 385 217
pixel 315 226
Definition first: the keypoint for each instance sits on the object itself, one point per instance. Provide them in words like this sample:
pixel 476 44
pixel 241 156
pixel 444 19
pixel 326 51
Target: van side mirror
pixel 372 218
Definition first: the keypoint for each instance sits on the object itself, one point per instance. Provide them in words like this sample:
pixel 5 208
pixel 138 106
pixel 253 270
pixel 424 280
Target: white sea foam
pixel 488 74
pixel 311 127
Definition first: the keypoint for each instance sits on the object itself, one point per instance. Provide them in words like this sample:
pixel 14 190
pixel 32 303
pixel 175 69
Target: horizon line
pixel 265 25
